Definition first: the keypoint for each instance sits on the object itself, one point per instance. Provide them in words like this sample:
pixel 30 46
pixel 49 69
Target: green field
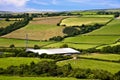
pixel 95 64
pixel 39 29
pixel 21 43
pixel 98 16
pixel 113 28
pixel 33 78
pixel 16 61
pixel 85 12
pixel 77 46
pixel 114 57
pixel 92 39
pixel 4 23
pixel 78 21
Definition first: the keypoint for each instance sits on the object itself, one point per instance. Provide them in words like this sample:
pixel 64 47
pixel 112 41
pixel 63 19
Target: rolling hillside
pixel 39 29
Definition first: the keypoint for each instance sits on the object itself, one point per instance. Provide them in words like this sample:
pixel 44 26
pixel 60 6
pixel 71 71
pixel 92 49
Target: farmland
pixel 110 29
pixel 4 23
pixel 78 21
pixel 16 61
pixel 39 29
pixel 73 45
pixel 95 64
pixel 4 42
pixel 33 78
pixel 111 16
pixel 92 39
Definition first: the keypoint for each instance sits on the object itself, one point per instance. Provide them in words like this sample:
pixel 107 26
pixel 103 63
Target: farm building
pixel 66 51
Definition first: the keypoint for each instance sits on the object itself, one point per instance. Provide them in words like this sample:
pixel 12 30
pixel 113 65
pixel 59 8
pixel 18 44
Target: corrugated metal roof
pixel 54 51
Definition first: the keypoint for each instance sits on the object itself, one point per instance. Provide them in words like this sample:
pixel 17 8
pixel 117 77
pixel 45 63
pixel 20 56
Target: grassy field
pixel 84 12
pixel 21 43
pixel 4 23
pixel 77 46
pixel 95 64
pixel 78 21
pixel 16 61
pixel 115 57
pixel 113 28
pixel 33 78
pixel 92 39
pixel 111 16
pixel 39 29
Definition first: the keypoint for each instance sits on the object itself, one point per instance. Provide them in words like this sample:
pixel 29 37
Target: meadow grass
pixel 78 21
pixel 111 16
pixel 113 28
pixel 4 42
pixel 92 39
pixel 16 61
pixel 34 78
pixel 39 29
pixel 115 57
pixel 92 64
pixel 72 45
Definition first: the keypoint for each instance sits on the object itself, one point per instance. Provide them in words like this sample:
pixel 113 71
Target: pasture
pixel 16 61
pixel 92 39
pixel 95 64
pixel 33 78
pixel 78 21
pixel 4 42
pixel 111 16
pixel 114 57
pixel 72 45
pixel 39 29
pixel 113 28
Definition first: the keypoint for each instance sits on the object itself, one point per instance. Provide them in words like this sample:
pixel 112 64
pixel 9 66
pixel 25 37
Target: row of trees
pixel 107 49
pixel 111 49
pixel 116 14
pixel 15 25
pixel 49 68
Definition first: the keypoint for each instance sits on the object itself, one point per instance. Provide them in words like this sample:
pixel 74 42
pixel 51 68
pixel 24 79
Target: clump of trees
pixel 76 30
pixel 56 38
pixel 111 49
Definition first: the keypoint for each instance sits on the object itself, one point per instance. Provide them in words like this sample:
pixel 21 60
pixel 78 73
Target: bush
pixel 64 46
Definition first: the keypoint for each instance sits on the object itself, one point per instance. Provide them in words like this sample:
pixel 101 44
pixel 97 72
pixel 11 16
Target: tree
pixel 7 19
pixel 12 46
pixel 64 46
pixel 36 47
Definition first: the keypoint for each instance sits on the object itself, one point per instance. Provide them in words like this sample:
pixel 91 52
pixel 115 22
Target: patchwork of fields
pixel 96 62
pixel 39 29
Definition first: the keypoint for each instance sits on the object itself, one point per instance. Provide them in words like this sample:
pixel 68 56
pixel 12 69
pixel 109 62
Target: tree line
pixel 15 25
pixel 49 68
pixel 116 14
pixel 76 30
